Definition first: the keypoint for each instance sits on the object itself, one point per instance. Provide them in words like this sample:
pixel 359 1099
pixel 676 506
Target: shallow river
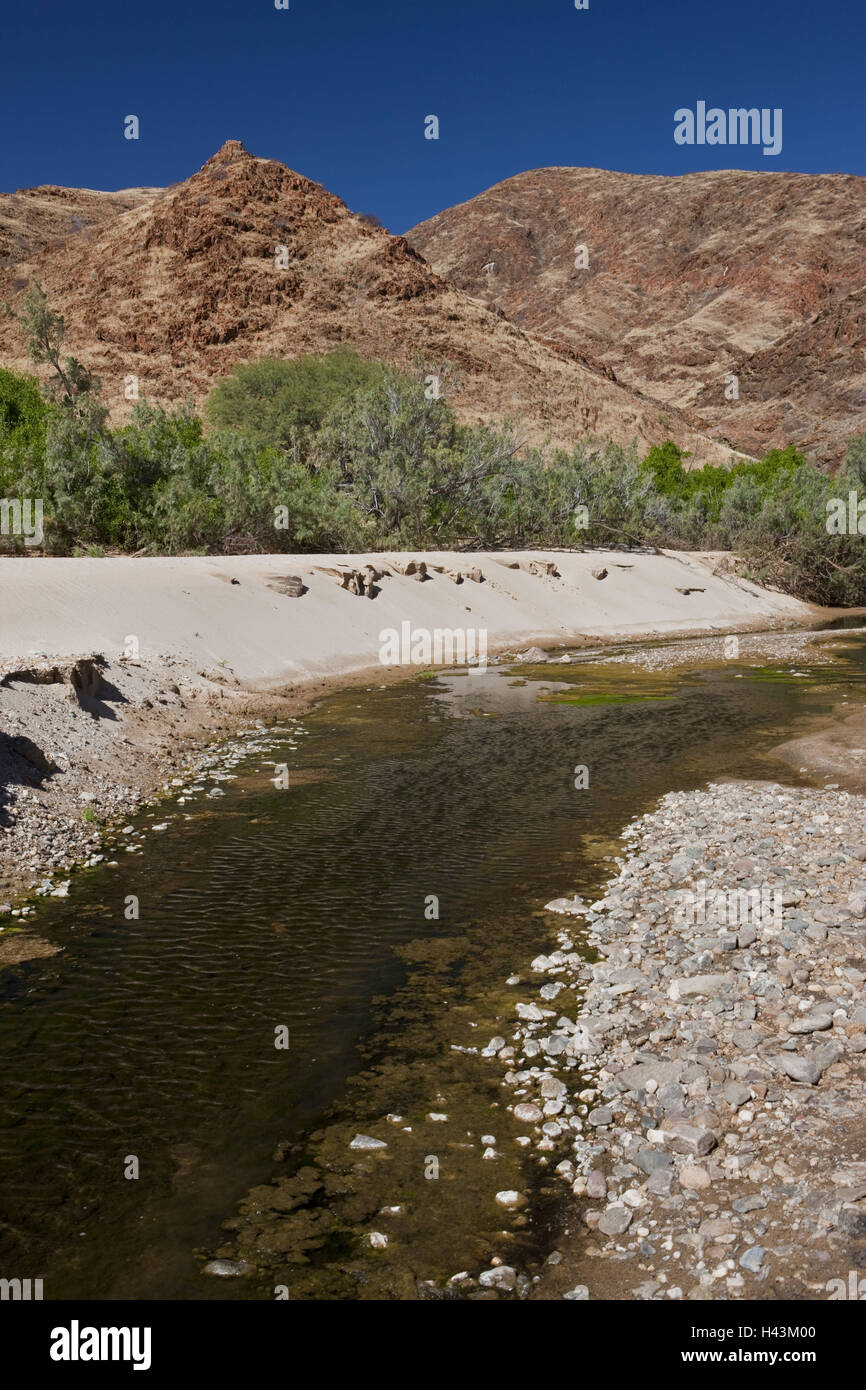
pixel 304 908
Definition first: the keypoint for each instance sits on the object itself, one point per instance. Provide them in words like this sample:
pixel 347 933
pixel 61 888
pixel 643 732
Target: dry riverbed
pixel 744 647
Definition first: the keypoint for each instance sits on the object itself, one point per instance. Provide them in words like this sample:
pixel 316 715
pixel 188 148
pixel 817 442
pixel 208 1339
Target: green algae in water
pixel 775 675
pixel 599 684
pixel 598 697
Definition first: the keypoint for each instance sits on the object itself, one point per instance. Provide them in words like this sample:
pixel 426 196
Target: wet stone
pixel 502 1277
pixel 366 1142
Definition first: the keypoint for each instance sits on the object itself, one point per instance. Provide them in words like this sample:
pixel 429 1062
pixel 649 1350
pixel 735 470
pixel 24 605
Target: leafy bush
pixel 23 426
pixel 773 511
pixel 278 403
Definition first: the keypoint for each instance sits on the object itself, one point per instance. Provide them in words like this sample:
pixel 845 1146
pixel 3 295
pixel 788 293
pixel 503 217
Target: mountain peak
pixel 247 259
pixel 228 152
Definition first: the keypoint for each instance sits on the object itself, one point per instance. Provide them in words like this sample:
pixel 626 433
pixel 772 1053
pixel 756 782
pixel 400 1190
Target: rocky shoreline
pixel 703 1104
pixel 88 742
pixel 84 742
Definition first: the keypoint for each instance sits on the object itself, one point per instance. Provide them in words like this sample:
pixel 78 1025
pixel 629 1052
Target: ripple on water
pixel 155 1036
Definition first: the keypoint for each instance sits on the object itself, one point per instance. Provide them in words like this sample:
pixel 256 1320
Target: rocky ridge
pixel 689 279
pixel 37 220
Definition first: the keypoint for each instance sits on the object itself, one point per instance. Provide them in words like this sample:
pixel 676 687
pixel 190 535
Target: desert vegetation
pixel 334 452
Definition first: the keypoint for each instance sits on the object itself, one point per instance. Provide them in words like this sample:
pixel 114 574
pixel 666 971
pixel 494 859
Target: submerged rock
pixel 500 1277
pixel 510 1199
pixel 367 1142
pixel 227 1269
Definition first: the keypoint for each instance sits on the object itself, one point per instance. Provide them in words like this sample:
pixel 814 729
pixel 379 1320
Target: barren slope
pixel 37 219
pixel 689 278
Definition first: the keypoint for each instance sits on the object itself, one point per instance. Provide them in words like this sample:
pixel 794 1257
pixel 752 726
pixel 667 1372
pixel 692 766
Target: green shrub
pixel 333 452
pixel 278 403
pixel 23 426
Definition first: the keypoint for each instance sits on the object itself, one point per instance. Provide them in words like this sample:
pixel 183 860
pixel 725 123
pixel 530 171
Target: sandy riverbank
pixel 234 616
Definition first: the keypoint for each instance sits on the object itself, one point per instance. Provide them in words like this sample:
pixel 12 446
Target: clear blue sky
pixel 339 89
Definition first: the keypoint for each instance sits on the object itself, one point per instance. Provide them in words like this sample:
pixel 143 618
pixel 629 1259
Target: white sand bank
pixel 190 610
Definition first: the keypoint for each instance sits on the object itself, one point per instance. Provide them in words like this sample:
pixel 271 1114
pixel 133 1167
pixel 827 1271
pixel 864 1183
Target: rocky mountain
pixel 689 281
pixel 39 219
pixel 247 259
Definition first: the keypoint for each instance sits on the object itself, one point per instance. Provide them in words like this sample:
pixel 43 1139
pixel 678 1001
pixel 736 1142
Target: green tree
pixel 854 466
pixel 279 403
pixel 46 334
pixel 411 471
